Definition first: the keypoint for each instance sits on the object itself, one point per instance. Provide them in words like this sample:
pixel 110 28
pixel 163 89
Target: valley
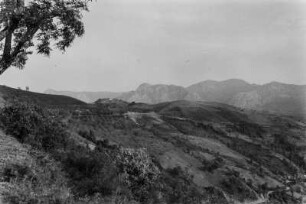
pixel 274 97
pixel 231 155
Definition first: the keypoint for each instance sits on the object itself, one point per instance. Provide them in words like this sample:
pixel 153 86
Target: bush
pixel 138 171
pixel 210 166
pixel 91 172
pixel 32 125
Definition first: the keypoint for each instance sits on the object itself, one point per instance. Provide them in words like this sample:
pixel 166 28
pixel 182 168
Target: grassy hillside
pixel 174 152
pixel 244 153
pixel 8 94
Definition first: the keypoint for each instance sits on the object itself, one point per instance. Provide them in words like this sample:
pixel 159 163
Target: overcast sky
pixel 128 42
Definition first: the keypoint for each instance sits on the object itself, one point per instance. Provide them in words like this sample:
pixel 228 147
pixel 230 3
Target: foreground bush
pixel 90 172
pixel 138 172
pixel 126 173
pixel 32 125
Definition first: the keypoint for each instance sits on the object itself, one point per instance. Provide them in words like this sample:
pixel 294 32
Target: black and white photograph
pixel 152 101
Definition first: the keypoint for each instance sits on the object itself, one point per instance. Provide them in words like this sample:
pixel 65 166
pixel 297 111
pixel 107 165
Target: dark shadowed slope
pixel 8 94
pixel 207 111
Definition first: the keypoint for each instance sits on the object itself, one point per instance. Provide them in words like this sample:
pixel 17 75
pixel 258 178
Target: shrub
pixel 91 172
pixel 210 166
pixel 32 125
pixel 138 171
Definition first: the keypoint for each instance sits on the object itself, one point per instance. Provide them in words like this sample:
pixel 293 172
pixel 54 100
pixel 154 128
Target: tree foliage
pixel 43 25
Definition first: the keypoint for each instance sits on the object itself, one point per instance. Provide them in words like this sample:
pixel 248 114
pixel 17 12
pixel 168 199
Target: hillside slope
pixel 242 153
pixel 233 155
pixel 8 94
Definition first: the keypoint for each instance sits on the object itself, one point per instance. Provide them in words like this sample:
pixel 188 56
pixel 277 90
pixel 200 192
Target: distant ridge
pixel 147 93
pixel 88 97
pixel 273 97
pixel 222 91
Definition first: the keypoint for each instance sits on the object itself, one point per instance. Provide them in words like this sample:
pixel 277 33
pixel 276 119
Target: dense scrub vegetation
pixel 65 171
pixel 35 126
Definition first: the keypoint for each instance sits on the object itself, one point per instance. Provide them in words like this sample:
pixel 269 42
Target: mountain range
pixel 273 97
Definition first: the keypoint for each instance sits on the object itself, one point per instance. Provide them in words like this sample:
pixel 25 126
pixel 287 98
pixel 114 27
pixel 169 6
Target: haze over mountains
pixel 87 97
pixel 273 97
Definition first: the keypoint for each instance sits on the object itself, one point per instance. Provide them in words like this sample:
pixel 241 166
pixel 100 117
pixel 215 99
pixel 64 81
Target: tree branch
pixel 8 44
pixel 27 37
pixel 7 61
pixel 3 33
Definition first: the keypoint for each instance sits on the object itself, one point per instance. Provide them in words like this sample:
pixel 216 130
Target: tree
pixel 42 24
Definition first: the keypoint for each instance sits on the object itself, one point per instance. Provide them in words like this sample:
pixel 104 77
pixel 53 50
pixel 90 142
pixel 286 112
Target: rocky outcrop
pixel 147 93
pixel 221 92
